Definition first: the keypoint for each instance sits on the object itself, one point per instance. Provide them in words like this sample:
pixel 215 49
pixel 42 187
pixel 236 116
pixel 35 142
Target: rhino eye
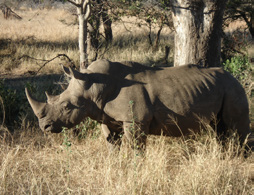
pixel 67 106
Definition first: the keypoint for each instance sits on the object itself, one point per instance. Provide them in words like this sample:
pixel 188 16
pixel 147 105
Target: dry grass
pixel 33 163
pixel 43 34
pixel 40 34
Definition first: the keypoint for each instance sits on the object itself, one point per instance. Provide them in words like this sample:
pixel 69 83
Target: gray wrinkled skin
pixel 168 101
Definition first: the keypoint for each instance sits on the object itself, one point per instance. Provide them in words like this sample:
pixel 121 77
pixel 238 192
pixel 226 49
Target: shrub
pixel 87 128
pixel 10 100
pixel 13 103
pixel 240 68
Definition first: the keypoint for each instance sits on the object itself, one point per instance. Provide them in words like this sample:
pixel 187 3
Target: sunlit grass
pixel 34 163
pixel 42 34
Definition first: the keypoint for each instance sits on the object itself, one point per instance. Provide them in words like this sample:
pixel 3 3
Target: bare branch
pixel 87 9
pixel 47 61
pixel 2 103
pixel 8 12
pixel 84 4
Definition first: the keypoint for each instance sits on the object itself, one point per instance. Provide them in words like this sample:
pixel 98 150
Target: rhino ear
pixel 51 98
pixel 76 74
pixel 66 71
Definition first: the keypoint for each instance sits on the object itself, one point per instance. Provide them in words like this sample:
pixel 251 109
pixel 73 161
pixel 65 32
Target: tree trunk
pixel 249 22
pixel 83 41
pixel 198 31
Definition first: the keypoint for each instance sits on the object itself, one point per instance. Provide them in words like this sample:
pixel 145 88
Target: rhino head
pixel 66 109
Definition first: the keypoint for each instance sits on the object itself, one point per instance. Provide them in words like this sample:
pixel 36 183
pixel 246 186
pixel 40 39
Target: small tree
pixel 83 10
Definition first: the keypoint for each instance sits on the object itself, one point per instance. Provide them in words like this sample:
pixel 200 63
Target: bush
pixel 13 104
pixel 240 68
pixel 9 102
pixel 87 128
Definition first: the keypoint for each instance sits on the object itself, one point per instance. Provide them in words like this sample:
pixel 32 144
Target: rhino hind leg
pixel 219 125
pixel 242 126
pixel 235 116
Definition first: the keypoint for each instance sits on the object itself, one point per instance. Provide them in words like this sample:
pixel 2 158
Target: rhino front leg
pixel 136 135
pixel 113 138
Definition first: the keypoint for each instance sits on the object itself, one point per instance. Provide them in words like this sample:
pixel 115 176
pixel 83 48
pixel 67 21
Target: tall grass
pixel 34 163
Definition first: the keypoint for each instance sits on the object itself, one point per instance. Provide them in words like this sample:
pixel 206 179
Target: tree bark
pixel 83 15
pixel 83 10
pixel 83 42
pixel 198 31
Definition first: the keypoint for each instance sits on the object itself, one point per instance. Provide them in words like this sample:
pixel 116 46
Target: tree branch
pixel 47 61
pixel 87 9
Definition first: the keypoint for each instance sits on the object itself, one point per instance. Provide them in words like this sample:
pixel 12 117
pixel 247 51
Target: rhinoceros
pixel 129 98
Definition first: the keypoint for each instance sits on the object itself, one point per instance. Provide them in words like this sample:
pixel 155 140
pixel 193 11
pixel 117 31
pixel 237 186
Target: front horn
pixel 36 105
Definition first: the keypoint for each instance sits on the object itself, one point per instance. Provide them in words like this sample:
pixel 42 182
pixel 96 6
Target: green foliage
pixel 87 128
pixel 11 104
pixel 133 121
pixel 67 146
pixel 66 141
pixel 238 66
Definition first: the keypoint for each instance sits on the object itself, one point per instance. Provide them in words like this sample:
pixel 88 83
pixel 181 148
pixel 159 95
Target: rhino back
pixel 186 89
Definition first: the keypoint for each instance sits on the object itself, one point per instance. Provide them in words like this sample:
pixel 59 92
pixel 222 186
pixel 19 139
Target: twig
pixel 47 61
pixel 2 102
pixel 8 12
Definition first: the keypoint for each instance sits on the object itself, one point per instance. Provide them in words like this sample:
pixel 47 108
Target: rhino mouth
pixel 52 129
pixel 48 127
